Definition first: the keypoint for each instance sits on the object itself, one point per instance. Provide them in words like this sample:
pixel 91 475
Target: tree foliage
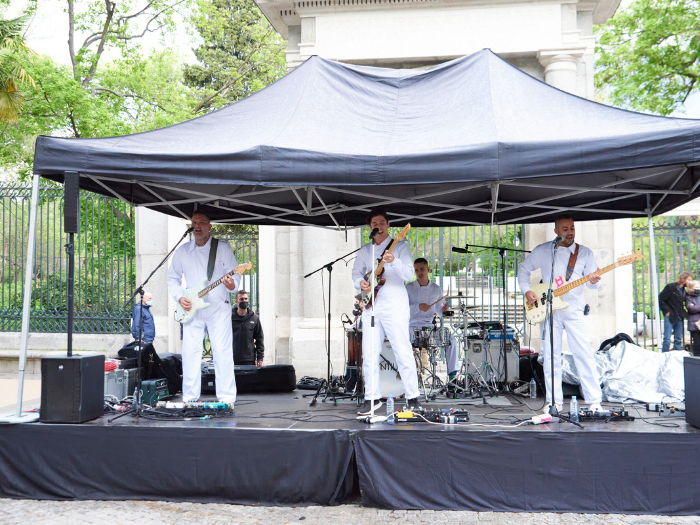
pixel 14 53
pixel 241 53
pixel 649 55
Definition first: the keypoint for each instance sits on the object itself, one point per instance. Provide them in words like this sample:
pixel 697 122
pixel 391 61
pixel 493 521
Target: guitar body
pixel 367 296
pixel 192 295
pixel 537 311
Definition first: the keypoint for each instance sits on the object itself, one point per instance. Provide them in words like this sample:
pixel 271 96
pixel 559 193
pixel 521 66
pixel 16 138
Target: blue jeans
pixel 677 329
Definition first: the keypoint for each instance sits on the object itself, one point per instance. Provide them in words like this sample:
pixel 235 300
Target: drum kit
pixel 429 347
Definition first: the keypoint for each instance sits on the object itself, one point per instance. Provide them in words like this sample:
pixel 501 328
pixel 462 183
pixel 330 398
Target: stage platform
pixel 279 451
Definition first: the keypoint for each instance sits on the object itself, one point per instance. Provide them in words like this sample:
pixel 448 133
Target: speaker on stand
pixel 72 387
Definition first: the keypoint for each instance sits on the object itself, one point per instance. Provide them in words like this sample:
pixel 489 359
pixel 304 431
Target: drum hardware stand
pixel 502 253
pixel 325 385
pixel 137 406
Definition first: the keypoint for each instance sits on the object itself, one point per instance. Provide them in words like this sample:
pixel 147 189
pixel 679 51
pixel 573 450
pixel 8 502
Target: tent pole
pixel 654 278
pixel 28 270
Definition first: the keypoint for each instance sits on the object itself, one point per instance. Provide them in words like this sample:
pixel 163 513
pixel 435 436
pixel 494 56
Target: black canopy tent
pixel 470 141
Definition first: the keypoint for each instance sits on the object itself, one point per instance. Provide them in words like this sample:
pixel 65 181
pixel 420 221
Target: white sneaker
pixel 560 407
pixel 595 407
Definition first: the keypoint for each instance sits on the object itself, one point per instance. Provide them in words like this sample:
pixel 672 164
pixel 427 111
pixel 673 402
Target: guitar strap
pixel 572 263
pixel 212 257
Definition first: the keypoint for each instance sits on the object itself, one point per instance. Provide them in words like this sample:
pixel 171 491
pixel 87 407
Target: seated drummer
pixel 422 293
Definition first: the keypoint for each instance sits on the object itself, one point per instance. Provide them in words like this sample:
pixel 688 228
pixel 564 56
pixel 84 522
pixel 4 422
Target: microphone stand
pixel 502 252
pixel 136 407
pixel 326 383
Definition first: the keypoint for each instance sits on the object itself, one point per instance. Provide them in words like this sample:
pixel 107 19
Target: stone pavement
pixel 159 512
pixel 8 392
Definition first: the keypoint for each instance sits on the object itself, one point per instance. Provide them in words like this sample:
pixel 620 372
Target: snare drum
pixel 440 338
pixel 420 336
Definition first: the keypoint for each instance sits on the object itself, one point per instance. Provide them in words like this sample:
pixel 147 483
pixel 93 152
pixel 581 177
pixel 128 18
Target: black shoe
pixel 366 409
pixel 414 405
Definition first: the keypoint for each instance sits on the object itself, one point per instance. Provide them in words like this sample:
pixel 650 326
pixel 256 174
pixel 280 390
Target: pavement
pixel 31 398
pixel 159 512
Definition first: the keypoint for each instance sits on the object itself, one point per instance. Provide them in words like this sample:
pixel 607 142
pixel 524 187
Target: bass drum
pixel 353 370
pixel 389 377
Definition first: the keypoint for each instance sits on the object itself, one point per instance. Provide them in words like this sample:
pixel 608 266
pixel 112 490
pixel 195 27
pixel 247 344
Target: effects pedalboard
pixel 611 414
pixel 444 415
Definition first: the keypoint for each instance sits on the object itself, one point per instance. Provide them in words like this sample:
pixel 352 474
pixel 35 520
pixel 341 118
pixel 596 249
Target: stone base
pixel 308 347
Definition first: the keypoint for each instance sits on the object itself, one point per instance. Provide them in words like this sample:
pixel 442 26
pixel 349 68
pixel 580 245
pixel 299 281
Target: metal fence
pixel 677 243
pixel 476 274
pixel 104 262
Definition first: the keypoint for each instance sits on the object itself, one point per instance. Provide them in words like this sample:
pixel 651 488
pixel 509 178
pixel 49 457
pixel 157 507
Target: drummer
pixel 421 294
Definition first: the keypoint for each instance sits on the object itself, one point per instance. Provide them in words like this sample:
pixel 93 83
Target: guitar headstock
pixel 629 259
pixel 242 268
pixel 403 232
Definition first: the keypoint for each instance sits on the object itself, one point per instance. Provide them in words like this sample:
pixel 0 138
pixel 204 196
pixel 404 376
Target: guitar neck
pixel 213 285
pixel 380 266
pixel 583 280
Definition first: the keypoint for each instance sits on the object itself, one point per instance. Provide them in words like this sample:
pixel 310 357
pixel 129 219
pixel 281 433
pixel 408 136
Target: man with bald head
pixel 191 261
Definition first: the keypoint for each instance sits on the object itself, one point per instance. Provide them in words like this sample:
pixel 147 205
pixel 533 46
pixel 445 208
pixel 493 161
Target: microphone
pixel 374 232
pixel 460 250
pixel 190 230
pixel 558 239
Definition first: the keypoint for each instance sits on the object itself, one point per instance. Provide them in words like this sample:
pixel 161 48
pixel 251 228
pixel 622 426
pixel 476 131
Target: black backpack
pixel 609 343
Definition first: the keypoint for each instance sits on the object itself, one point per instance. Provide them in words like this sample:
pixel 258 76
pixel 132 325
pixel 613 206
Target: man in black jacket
pixel 248 338
pixel 672 304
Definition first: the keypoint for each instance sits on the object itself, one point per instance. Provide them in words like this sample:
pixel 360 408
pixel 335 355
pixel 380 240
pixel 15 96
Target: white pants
pixel 577 331
pixel 217 321
pixel 390 320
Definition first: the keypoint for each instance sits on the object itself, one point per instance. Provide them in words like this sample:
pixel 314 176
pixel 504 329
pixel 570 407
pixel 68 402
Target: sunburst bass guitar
pixel 379 269
pixel 537 311
pixel 196 294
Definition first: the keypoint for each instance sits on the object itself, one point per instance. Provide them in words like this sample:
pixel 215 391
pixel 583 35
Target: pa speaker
pixel 71 202
pixel 691 373
pixel 72 388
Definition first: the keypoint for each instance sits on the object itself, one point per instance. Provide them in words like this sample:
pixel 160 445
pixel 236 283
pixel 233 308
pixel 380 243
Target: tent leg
pixel 655 324
pixel 24 337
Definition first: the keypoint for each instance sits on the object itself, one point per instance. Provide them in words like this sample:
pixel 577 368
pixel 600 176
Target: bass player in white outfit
pixel 572 319
pixel 391 313
pixel 421 295
pixel 191 262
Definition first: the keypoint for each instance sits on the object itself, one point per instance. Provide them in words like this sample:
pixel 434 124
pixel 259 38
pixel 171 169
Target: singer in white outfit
pixel 191 261
pixel 391 313
pixel 571 319
pixel 421 294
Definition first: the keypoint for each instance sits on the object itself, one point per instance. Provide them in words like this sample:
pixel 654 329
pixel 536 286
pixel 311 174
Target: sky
pixel 48 34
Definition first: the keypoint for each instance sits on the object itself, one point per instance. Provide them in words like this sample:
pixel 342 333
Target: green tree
pixel 241 53
pixel 649 55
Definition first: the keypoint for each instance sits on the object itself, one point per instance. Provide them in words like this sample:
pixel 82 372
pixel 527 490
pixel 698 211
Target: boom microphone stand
pixel 502 253
pixel 136 407
pixel 326 383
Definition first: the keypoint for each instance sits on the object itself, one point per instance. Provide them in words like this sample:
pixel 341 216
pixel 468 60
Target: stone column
pixel 561 67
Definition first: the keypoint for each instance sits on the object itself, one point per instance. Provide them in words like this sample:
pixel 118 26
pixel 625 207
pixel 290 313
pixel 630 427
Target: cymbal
pixel 461 297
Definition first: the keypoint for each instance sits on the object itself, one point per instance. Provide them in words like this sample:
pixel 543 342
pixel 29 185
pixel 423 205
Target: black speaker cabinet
pixel 691 373
pixel 71 202
pixel 72 388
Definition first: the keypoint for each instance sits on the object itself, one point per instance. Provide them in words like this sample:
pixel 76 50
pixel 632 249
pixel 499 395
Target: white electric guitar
pixel 195 295
pixel 537 311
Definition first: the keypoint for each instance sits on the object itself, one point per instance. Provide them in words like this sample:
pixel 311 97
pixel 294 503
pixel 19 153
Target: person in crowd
pixel 672 304
pixel 571 262
pixel 692 304
pixel 191 261
pixel 149 327
pixel 248 338
pixel 425 300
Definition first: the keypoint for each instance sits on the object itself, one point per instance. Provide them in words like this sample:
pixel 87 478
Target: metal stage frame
pixel 279 451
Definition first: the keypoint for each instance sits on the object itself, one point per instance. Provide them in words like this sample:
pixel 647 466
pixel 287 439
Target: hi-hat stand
pixel 502 253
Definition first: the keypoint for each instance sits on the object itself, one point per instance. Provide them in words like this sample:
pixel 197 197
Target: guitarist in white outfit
pixel 191 262
pixel 391 313
pixel 571 319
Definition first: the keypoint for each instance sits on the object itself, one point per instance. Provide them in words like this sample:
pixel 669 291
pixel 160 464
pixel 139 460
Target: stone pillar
pixel 561 67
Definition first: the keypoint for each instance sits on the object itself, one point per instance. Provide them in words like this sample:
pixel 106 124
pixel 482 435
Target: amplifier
pixel 481 353
pixel 154 390
pixel 498 334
